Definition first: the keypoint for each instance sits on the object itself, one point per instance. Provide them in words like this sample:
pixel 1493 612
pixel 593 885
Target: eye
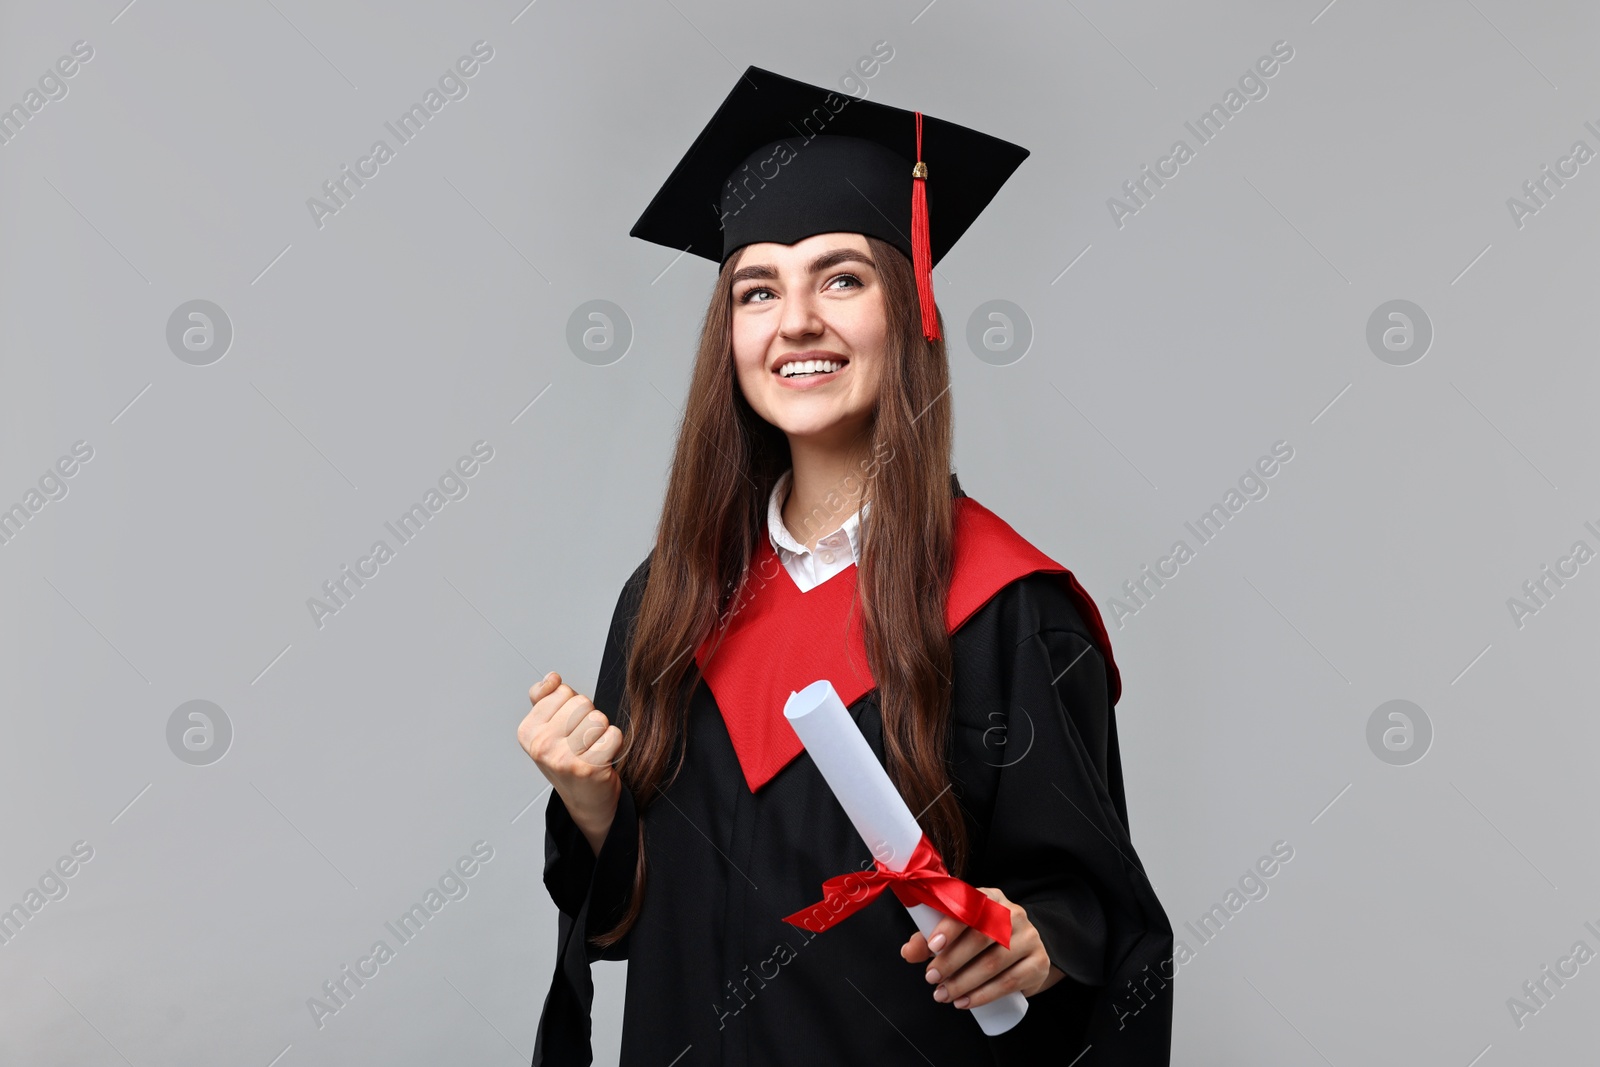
pixel 746 298
pixel 843 277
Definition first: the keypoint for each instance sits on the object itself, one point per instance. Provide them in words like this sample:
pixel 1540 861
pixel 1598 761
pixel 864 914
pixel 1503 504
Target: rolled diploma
pixel 876 809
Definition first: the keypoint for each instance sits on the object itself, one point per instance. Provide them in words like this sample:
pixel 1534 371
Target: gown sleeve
pixel 590 891
pixel 1055 889
pixel 1057 841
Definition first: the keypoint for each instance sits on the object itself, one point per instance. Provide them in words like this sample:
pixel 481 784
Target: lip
pixel 811 381
pixel 814 353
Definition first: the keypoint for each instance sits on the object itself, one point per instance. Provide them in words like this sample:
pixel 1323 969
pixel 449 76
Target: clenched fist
pixel 574 745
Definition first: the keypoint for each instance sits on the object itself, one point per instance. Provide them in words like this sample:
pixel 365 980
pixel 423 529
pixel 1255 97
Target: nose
pixel 802 315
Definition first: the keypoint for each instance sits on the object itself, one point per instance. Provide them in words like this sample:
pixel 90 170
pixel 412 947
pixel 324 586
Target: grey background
pixel 1230 313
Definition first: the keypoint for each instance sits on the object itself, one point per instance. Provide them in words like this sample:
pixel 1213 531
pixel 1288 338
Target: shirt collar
pixel 784 542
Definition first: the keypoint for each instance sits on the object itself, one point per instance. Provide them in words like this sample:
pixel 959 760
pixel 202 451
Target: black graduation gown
pixel 715 977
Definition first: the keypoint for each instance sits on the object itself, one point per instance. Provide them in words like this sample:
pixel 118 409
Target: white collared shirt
pixel 811 567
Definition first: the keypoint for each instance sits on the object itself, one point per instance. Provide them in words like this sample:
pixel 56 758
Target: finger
pixel 916 948
pixel 540 689
pixel 967 942
pixel 587 732
pixel 576 715
pixel 557 694
pixel 945 933
pixel 607 744
pixel 533 723
pixel 956 955
pixel 1018 976
pixel 978 970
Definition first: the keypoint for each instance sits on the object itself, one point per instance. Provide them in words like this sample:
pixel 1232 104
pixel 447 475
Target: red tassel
pixel 921 254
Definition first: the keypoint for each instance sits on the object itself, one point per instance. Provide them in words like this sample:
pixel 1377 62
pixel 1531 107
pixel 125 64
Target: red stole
pixel 782 640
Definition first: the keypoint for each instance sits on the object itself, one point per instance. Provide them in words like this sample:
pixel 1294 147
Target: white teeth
pixel 809 366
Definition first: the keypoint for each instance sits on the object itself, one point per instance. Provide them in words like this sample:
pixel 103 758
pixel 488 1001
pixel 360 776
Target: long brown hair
pixel 724 467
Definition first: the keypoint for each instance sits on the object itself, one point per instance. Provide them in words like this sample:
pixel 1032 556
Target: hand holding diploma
pixel 908 865
pixel 971 969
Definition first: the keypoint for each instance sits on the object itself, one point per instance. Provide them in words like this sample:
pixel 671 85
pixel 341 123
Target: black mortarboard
pixel 782 160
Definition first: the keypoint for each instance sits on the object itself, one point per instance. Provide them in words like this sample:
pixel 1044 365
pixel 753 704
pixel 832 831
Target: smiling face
pixel 819 301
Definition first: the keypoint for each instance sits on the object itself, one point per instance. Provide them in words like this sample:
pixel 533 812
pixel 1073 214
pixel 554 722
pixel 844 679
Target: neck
pixel 827 487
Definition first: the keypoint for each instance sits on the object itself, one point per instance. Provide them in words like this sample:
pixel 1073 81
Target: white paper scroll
pixel 876 809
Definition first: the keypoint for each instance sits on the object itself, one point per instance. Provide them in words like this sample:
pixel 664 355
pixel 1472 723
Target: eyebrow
pixel 821 263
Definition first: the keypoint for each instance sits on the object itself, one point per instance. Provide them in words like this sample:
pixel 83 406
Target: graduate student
pixel 812 528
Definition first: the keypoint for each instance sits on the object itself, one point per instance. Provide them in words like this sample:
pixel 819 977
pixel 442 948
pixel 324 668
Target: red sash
pixel 781 640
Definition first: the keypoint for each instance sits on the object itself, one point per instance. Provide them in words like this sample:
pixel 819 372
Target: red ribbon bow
pixel 924 881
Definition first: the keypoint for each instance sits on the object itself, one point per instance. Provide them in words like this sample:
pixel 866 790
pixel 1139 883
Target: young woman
pixel 812 528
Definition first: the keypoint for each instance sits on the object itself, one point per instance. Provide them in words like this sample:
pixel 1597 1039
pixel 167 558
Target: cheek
pixel 865 328
pixel 749 350
pixel 867 336
pixel 872 381
pixel 746 346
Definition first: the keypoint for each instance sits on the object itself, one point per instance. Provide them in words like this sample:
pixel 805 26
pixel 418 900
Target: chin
pixel 806 428
pixel 817 428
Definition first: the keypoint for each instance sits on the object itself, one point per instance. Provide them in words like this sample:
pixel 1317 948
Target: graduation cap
pixel 782 160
